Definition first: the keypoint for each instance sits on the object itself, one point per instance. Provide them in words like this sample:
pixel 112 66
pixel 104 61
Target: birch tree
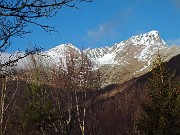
pixel 7 100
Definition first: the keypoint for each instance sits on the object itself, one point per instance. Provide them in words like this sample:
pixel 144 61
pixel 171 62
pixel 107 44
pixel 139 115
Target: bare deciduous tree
pixel 7 100
pixel 76 86
pixel 17 15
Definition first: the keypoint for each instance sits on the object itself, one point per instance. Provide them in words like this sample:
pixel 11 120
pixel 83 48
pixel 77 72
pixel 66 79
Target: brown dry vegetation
pixel 82 107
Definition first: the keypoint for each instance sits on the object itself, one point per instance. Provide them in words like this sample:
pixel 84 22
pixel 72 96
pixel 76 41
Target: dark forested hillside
pixel 68 108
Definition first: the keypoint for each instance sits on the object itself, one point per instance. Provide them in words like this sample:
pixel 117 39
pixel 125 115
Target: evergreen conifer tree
pixel 161 115
pixel 39 113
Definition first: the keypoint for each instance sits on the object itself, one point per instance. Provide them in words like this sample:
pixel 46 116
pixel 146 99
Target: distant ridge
pixel 117 63
pixel 121 61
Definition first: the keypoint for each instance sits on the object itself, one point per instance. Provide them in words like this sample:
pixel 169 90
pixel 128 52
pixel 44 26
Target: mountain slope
pixel 122 61
pixel 117 63
pixel 141 47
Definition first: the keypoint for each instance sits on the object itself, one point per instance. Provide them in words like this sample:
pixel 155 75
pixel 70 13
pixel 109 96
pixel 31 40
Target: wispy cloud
pixel 176 3
pixel 109 29
pixel 173 42
pixel 102 31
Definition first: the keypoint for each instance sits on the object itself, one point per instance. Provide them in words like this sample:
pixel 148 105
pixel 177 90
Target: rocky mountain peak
pixel 151 38
pixel 63 47
pixel 119 62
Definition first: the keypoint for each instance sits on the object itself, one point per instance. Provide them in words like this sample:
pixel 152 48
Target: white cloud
pixel 177 3
pixel 173 42
pixel 102 31
pixel 110 28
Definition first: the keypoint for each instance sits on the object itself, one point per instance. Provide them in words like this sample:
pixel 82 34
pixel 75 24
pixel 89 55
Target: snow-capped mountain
pixel 59 54
pixel 143 46
pixel 117 63
pixel 120 61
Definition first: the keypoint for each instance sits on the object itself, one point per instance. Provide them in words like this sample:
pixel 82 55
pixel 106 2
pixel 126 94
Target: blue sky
pixel 105 22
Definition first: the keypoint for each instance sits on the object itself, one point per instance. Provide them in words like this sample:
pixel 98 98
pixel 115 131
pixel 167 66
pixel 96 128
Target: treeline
pixel 161 113
pixel 68 100
pixel 65 100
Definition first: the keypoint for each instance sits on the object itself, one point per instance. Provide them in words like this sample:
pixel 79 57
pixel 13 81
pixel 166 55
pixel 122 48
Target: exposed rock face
pixel 117 63
pixel 122 61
